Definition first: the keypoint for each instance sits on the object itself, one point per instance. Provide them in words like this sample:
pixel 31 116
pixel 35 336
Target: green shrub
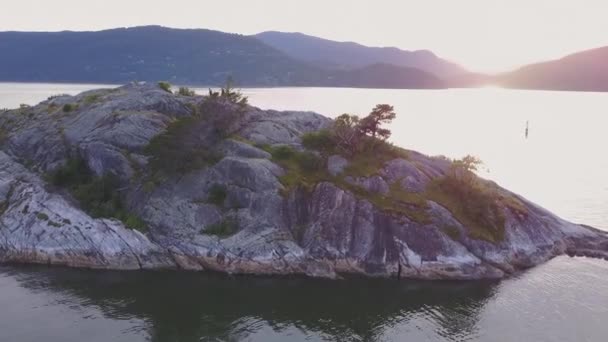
pixel 68 107
pixel 54 224
pixel 226 227
pixel 135 222
pixel 282 152
pixel 185 91
pixel 98 196
pixel 321 141
pixel 180 149
pixel 309 162
pixel 475 205
pixel 75 171
pixel 166 86
pixel 90 99
pixel 217 195
pixel 42 216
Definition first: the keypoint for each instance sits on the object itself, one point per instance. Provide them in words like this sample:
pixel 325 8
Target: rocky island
pixel 138 177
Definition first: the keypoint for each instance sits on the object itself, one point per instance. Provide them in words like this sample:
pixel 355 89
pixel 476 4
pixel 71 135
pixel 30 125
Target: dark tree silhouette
pixel 381 114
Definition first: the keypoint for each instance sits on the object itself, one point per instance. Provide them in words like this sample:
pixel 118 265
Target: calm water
pixel 562 166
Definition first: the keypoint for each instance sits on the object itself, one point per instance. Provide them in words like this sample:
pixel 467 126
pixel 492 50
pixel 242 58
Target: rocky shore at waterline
pixel 140 178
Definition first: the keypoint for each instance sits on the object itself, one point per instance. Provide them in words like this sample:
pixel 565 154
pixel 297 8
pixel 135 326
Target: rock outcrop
pixel 254 224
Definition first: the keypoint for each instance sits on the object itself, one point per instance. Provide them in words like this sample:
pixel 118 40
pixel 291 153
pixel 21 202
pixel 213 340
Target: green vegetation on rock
pixel 90 99
pixel 217 195
pixel 166 86
pixel 42 216
pixel 69 107
pixel 230 93
pixel 190 143
pixel 180 148
pixel 477 204
pixel 100 197
pixel 185 91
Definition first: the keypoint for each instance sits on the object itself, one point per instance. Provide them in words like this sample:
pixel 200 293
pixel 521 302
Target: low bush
pixel 185 91
pixel 229 93
pixel 303 168
pixel 476 205
pixel 100 197
pixel 180 149
pixel 166 86
pixel 321 141
pixel 42 216
pixel 217 195
pixel 68 107
pixel 90 99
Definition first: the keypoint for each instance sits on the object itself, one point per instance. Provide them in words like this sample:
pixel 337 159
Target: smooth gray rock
pixel 272 127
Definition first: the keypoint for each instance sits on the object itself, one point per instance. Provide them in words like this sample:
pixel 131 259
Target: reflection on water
pixel 188 307
pixel 564 300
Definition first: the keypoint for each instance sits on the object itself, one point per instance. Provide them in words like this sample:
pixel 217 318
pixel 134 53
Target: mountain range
pixel 202 57
pixel 583 71
pixel 206 57
pixel 347 55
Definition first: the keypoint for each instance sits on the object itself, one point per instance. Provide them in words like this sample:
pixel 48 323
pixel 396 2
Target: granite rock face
pixel 324 232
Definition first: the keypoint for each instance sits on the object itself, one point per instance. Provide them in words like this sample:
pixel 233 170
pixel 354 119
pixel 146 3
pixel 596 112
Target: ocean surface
pixel 562 166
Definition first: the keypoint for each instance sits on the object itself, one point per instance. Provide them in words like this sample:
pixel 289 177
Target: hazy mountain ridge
pixel 205 57
pixel 582 71
pixel 191 56
pixel 345 55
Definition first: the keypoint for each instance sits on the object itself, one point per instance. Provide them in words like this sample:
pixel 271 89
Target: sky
pixel 481 35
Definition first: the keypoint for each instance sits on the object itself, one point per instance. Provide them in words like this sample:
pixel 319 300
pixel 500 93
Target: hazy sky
pixel 483 35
